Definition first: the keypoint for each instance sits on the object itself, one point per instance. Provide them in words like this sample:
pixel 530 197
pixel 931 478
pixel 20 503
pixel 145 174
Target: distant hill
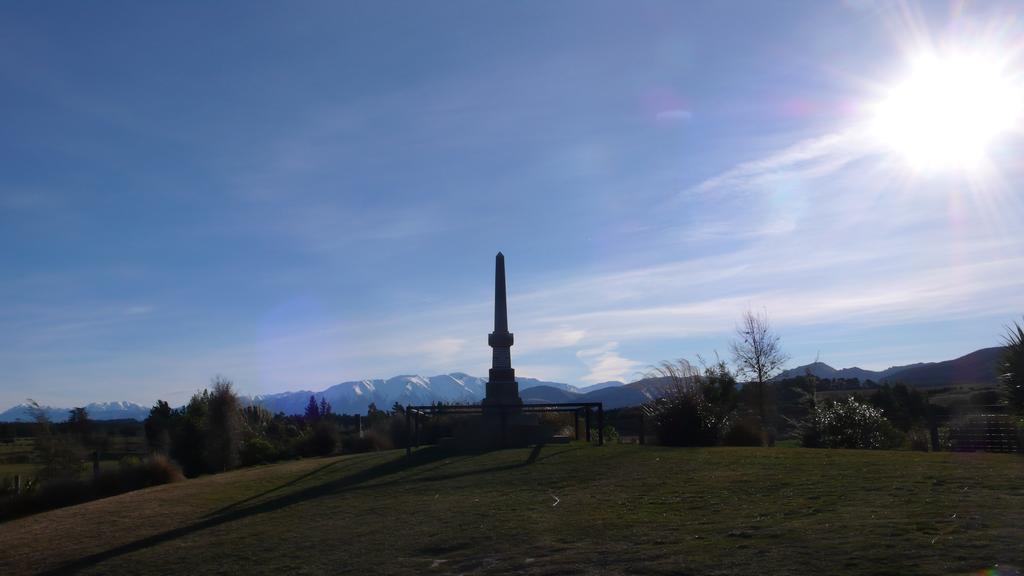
pixel 548 394
pixel 612 397
pixel 601 386
pixel 978 367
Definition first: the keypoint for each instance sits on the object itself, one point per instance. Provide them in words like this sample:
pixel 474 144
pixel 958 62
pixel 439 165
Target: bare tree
pixel 58 455
pixel 757 353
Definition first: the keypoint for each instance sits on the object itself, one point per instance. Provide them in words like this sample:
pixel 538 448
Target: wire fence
pixel 989 429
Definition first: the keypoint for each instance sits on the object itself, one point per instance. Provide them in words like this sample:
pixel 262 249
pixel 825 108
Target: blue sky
pixel 297 194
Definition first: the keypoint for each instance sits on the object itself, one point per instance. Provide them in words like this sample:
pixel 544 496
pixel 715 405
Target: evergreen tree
pixel 79 424
pixel 312 409
pixel 325 407
pixel 158 427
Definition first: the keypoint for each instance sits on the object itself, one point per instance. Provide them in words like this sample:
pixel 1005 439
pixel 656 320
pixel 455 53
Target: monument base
pixel 490 432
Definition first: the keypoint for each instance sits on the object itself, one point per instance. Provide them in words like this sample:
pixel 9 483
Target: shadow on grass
pixel 291 482
pixel 414 463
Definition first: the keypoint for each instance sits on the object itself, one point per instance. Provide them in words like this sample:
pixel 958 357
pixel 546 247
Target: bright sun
pixel 947 112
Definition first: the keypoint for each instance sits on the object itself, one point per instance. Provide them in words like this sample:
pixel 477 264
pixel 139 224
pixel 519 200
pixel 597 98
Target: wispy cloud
pixel 674 114
pixel 604 363
pixel 807 159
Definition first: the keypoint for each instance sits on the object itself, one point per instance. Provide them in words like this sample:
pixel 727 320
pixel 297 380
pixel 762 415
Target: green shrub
pixel 323 440
pixel 892 437
pixel 847 424
pixel 257 450
pixel 919 439
pixel 611 435
pixel 744 430
pixel 129 462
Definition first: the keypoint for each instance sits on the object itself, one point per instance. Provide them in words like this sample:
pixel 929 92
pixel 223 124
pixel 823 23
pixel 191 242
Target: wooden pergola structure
pixel 414 414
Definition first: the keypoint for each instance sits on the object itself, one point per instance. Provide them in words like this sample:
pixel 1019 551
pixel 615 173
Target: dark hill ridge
pixel 978 367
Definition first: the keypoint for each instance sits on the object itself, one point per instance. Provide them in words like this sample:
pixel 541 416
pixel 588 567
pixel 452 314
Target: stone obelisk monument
pixel 502 388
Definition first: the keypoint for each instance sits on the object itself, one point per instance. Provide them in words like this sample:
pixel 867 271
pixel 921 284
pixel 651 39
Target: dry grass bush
pixel 684 418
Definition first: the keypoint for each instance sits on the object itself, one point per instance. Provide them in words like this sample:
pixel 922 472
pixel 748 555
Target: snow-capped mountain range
pixel 96 410
pixel 978 367
pixel 355 397
pixel 347 397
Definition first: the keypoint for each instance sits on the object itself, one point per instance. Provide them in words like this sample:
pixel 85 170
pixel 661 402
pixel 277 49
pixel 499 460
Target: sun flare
pixel 948 111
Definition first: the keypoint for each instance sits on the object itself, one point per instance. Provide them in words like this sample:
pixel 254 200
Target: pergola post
pixel 416 429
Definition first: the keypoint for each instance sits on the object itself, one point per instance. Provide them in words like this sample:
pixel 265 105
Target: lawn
pixel 621 509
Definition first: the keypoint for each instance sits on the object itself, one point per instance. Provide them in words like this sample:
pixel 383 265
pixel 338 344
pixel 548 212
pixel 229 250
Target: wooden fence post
pixel 95 464
pixel 600 425
pixel 642 429
pixel 586 422
pixel 576 422
pixel 408 433
pixel 17 483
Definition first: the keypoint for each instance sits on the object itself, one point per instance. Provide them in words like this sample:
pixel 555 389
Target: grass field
pixel 620 510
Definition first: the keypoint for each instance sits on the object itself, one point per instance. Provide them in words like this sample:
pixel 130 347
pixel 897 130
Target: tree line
pixel 704 404
pixel 214 432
